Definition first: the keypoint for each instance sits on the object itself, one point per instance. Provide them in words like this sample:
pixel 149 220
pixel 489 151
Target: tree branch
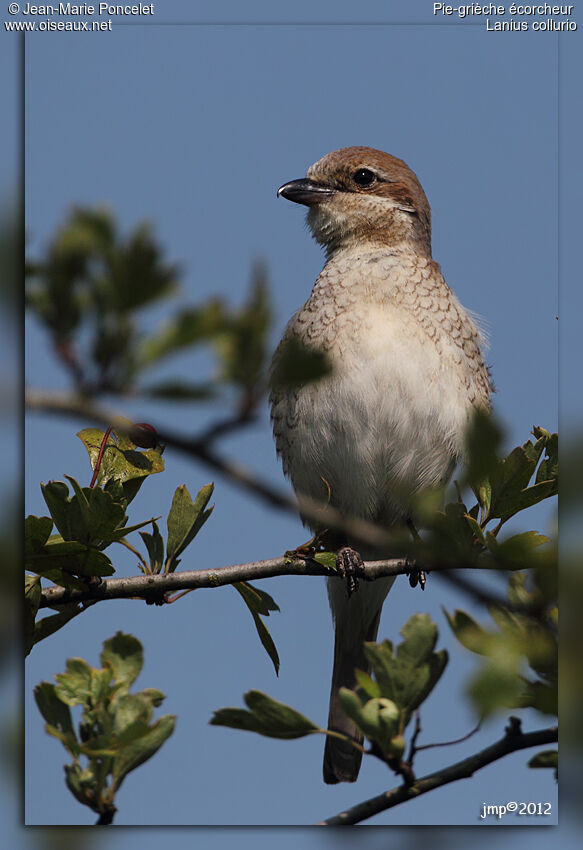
pixel 514 739
pixel 200 448
pixel 153 587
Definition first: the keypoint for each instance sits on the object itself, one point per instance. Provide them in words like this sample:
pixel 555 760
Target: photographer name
pixel 86 9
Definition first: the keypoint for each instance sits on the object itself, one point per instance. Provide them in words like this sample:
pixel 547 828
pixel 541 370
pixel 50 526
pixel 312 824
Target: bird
pixel 407 372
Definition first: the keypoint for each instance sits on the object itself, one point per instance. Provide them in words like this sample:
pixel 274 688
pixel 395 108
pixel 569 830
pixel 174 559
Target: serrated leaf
pixel 267 717
pixel 515 552
pixel 257 600
pixel 75 686
pixel 124 655
pixel 327 559
pixel 53 709
pixel 496 686
pixel 546 758
pixel 468 632
pixel 541 695
pixel 37 531
pixel 47 626
pixel 187 328
pixel 420 635
pixel 367 683
pixel 138 752
pixel 62 561
pixel 185 520
pixel 260 603
pixel 56 496
pixel 155 546
pixel 80 783
pixel 242 343
pixel 475 527
pixel 130 710
pixel 295 364
pixel 122 461
pixel 101 516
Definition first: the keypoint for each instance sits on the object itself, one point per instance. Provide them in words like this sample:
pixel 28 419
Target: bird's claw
pixel 417 576
pixel 350 565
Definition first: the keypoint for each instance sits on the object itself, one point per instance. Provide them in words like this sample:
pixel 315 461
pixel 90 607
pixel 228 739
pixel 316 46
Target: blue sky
pixel 194 127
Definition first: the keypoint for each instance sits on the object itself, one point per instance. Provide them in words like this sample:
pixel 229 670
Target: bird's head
pixel 361 195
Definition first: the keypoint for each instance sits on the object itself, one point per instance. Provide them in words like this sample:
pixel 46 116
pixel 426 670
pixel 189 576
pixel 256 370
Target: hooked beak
pixel 305 191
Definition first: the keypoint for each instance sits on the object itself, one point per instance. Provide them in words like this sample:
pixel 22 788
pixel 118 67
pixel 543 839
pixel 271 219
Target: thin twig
pixel 416 732
pixel 450 743
pixel 514 739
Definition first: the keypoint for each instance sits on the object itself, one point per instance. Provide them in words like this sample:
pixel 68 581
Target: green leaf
pixel 516 552
pixel 124 655
pixel 138 752
pixel 294 364
pixel 122 463
pixel 37 531
pixel 483 440
pixel 131 711
pixel 468 632
pixel 155 546
pixel 62 561
pixel 55 712
pixel 327 559
pixel 546 758
pixel 260 603
pixel 180 391
pixel 242 343
pixel 75 686
pixel 32 600
pixel 185 520
pixel 266 716
pixel 100 515
pixel 475 527
pixel 379 719
pixel 56 496
pixel 408 676
pixel 47 626
pixel 367 683
pixel 549 468
pixel 115 733
pixel 542 696
pixel 81 784
pixel 420 635
pixel 497 686
pixel 187 328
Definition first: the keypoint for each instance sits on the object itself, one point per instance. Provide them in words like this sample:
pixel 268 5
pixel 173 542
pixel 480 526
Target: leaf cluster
pixel 504 486
pixel 94 517
pixel 116 732
pixel 91 285
pixel 402 678
pixel 382 704
pixel 519 654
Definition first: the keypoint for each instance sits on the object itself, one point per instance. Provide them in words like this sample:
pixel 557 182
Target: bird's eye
pixel 364 177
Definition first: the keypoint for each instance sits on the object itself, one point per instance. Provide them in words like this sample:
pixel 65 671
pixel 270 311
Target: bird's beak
pixel 305 191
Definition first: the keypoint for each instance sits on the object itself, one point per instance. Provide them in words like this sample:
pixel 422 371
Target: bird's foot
pixel 417 576
pixel 350 565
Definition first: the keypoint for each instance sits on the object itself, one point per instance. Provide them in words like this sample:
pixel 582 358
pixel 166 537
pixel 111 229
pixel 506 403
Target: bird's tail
pixel 357 620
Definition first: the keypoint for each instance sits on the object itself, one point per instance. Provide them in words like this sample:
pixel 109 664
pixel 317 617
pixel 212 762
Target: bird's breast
pixel 390 417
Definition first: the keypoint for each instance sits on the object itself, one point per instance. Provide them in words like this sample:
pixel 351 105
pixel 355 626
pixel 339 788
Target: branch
pixel 153 587
pixel 514 739
pixel 200 448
